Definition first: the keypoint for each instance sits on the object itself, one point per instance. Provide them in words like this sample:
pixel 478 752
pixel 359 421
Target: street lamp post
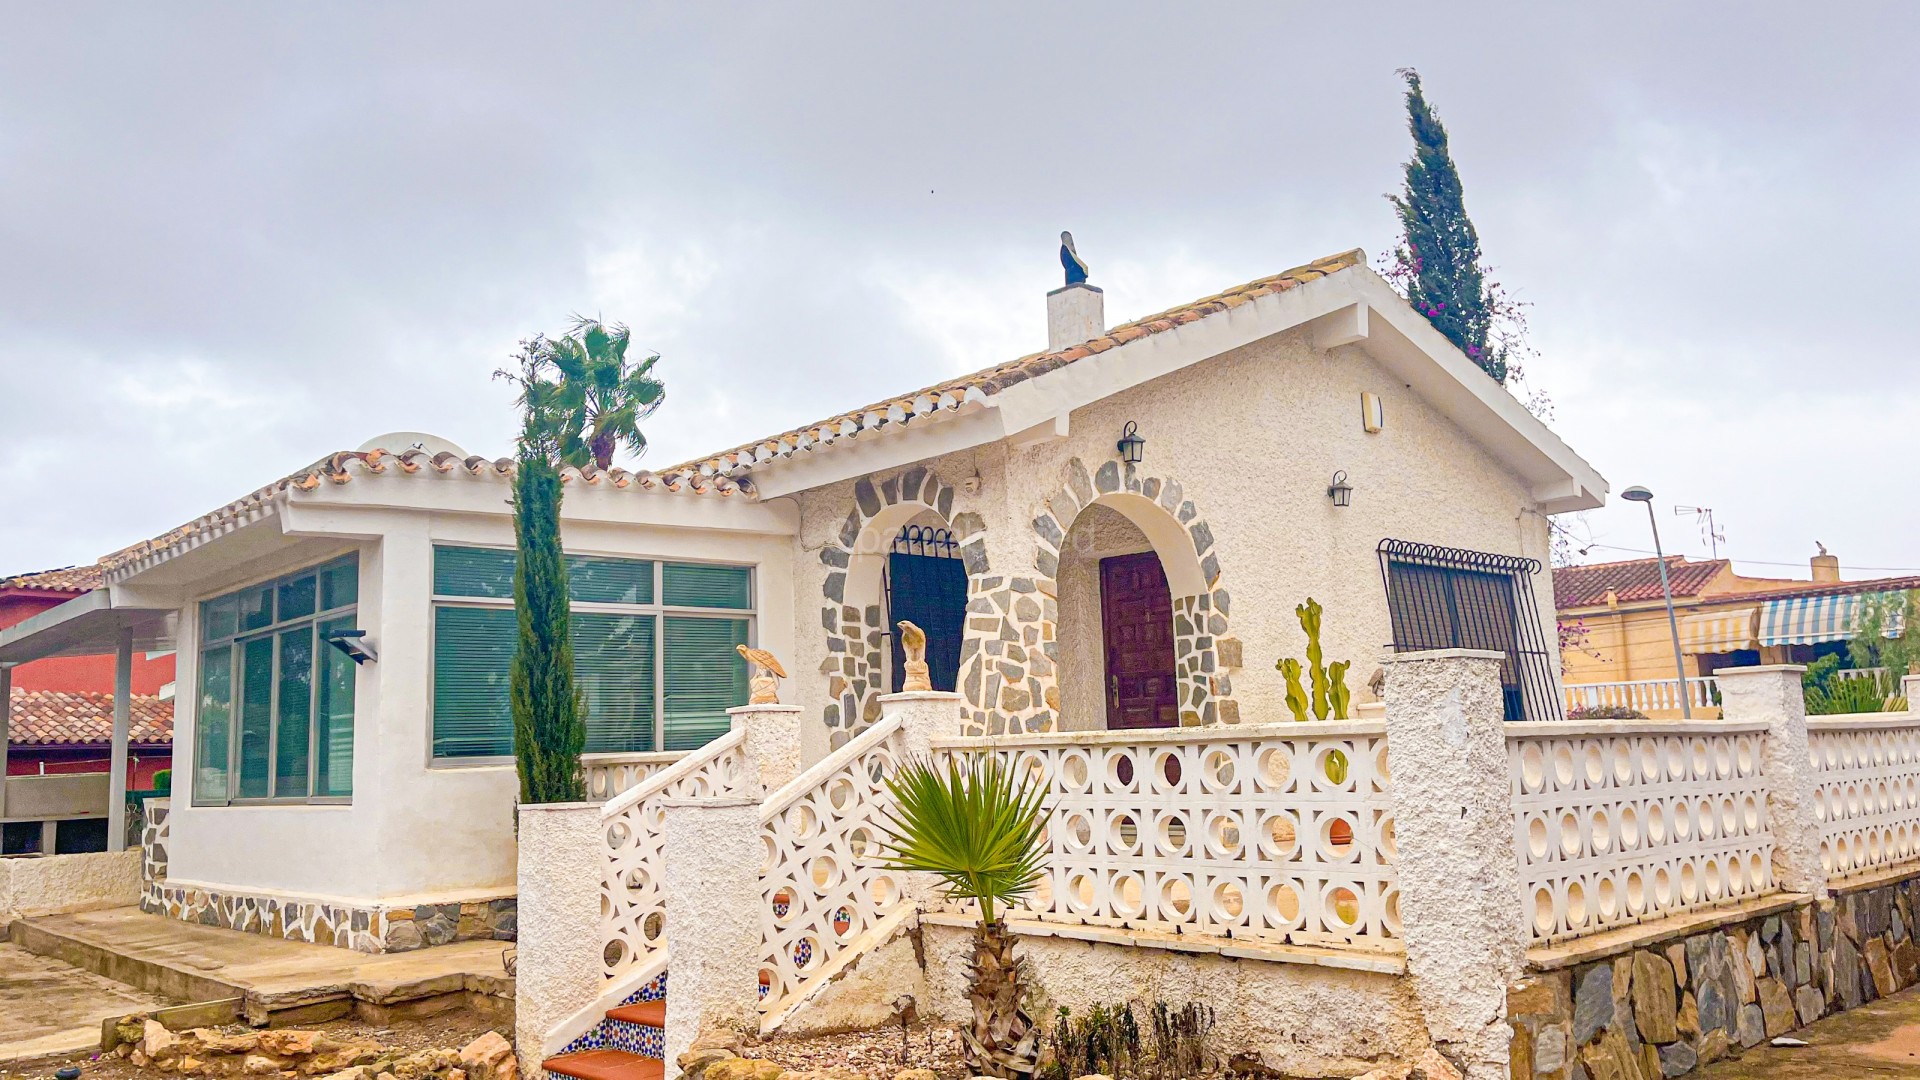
pixel 1642 495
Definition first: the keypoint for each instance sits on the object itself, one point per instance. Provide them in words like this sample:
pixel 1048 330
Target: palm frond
pixel 977 827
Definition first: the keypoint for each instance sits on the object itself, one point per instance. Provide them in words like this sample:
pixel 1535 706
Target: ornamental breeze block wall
pixel 1199 620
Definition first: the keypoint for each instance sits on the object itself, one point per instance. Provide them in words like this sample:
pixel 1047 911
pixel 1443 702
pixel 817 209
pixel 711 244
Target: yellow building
pixel 1616 645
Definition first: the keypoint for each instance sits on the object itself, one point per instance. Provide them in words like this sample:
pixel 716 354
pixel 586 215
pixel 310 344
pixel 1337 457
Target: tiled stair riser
pixel 641 1039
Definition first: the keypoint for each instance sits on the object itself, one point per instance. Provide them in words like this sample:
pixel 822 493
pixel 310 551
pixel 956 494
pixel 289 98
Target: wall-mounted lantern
pixel 1340 491
pixel 1131 444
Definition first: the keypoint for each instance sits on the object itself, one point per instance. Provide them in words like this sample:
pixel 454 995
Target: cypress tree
pixel 1438 263
pixel 549 725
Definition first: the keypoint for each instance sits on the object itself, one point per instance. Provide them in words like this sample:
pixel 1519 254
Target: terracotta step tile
pixel 606 1065
pixel 650 1013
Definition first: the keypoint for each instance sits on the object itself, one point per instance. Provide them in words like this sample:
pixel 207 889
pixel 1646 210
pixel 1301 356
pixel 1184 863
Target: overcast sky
pixel 233 239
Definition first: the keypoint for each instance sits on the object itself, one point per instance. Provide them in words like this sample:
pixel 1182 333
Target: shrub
pixel 1604 712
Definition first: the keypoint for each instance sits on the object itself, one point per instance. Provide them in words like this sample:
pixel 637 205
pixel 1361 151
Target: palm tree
pixel 982 832
pixel 598 400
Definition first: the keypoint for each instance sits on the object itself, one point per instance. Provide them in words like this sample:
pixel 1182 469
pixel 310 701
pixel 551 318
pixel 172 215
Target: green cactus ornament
pixel 1309 615
pixel 1337 690
pixel 1296 694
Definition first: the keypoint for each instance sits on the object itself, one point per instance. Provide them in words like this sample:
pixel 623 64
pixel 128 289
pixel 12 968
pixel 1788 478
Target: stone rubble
pixel 288 1053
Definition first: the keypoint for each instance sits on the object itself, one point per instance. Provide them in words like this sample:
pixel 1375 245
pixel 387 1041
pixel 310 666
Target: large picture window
pixel 653 650
pixel 275 707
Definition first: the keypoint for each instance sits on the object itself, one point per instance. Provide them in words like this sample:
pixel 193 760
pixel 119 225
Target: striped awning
pixel 1808 620
pixel 1719 631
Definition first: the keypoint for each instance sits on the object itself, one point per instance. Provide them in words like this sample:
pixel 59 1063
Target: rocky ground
pixel 339 1050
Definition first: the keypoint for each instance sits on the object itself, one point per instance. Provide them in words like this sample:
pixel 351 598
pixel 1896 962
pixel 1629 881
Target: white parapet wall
pixel 52 884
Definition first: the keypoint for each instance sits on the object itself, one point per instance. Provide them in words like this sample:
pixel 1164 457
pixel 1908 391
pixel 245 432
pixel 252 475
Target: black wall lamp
pixel 1340 491
pixel 354 643
pixel 1131 443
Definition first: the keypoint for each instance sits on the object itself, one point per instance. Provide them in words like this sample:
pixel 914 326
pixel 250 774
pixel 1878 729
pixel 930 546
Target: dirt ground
pixel 454 1029
pixel 872 1053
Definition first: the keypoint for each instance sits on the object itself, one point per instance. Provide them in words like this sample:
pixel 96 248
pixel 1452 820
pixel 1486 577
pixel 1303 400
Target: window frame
pixel 658 610
pixel 235 644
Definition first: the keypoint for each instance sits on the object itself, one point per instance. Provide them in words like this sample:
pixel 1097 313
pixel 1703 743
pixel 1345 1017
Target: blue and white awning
pixel 1808 620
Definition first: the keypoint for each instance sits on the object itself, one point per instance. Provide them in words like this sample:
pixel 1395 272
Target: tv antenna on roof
pixel 1709 532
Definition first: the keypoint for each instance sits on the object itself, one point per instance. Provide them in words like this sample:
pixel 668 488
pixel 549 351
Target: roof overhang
pixel 1353 307
pixel 89 625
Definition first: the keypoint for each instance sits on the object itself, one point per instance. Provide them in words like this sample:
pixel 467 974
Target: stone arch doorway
pixel 1142 616
pixel 856 617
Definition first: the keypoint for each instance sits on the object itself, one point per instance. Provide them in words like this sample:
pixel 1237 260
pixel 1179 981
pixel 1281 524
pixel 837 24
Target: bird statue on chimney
pixel 1070 259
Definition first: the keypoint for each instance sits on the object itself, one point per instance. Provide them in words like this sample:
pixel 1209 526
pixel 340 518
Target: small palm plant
pixel 982 831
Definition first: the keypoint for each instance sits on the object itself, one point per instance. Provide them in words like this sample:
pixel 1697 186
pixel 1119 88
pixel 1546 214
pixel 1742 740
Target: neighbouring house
pixel 1113 533
pixel 1617 644
pixel 62 725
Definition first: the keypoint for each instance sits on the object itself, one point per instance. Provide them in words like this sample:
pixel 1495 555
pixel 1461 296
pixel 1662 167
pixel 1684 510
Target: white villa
pixel 1102 540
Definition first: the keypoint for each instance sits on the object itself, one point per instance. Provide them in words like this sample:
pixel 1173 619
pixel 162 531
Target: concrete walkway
pixel 47 1007
pixel 1873 1042
pixel 189 962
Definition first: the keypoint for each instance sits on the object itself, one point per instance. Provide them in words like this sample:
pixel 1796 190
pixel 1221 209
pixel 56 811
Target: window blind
pixel 592 580
pixel 480 572
pixel 705 678
pixel 472 658
pixel 697 585
pixel 291 739
pixel 333 743
pixel 613 667
pixel 256 716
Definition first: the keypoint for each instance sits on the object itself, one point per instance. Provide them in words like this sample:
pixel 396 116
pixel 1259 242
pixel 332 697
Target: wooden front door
pixel 1136 610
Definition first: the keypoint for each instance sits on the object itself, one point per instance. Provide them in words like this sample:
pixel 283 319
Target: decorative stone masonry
pixel 374 929
pixel 857 644
pixel 1667 1005
pixel 153 843
pixel 1205 690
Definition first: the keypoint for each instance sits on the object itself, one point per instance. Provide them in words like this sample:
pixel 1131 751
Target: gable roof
pixel 341 467
pixel 987 382
pixel 1834 588
pixel 74 579
pixel 1631 580
pixel 85 718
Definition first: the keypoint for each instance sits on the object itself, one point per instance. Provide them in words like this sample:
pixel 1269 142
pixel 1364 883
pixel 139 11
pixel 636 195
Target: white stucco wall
pixel 1254 436
pixel 415 830
pixel 58 883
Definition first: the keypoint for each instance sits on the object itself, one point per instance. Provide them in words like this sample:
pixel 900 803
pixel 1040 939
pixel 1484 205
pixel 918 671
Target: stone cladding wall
pixel 1674 1005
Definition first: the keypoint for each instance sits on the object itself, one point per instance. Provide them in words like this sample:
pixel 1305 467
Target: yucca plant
pixel 982 831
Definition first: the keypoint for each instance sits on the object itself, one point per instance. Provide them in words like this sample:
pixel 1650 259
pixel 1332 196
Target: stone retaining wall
pixel 1664 1006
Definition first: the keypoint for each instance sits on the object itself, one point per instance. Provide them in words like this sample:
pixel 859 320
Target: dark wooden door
pixel 1136 610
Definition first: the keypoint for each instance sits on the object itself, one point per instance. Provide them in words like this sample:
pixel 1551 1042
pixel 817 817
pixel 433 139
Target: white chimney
pixel 1075 313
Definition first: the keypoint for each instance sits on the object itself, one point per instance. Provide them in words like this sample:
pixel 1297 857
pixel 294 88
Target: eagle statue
pixel 767 673
pixel 913 646
pixel 1076 267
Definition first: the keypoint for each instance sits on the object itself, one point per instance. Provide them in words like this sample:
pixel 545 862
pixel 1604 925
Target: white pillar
pixel 772 744
pixel 1459 875
pixel 6 729
pixel 924 715
pixel 1772 695
pixel 558 963
pixel 710 855
pixel 122 718
pixel 1909 689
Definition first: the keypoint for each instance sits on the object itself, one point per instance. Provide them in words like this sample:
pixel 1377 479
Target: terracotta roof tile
pixel 341 467
pixel 1834 588
pixel 1633 580
pixel 84 718
pixel 76 579
pixel 956 393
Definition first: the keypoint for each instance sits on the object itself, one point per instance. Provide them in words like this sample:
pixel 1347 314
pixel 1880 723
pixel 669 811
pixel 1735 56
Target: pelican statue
pixel 1069 258
pixel 913 645
pixel 767 673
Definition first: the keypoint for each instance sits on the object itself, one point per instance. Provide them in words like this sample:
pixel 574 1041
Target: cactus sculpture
pixel 1329 681
pixel 1296 694
pixel 1337 692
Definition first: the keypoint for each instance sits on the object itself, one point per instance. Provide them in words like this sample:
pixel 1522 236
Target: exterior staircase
pixel 628 1044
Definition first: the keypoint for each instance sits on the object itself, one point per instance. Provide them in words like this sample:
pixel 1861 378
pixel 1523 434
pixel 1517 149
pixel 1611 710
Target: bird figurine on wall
pixel 767 673
pixel 1076 267
pixel 913 646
